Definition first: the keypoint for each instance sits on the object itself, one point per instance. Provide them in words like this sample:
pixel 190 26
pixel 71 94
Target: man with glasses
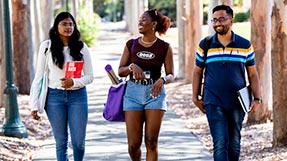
pixel 228 56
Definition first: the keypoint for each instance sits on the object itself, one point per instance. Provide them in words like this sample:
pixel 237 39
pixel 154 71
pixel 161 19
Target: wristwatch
pixel 164 79
pixel 258 99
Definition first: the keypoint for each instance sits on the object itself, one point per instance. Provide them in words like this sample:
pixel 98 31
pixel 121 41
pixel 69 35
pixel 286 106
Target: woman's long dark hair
pixel 75 45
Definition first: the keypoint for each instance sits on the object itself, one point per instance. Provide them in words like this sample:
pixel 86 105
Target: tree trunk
pixel 134 16
pixel 261 40
pixel 279 72
pixel 40 21
pixel 30 40
pixel 211 5
pixel 36 34
pixel 20 46
pixel 127 18
pixel 74 9
pixel 181 38
pixel 133 10
pixel 47 16
pixel 2 62
pixel 193 35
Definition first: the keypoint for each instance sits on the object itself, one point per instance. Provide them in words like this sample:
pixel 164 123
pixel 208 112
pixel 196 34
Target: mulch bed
pixel 11 148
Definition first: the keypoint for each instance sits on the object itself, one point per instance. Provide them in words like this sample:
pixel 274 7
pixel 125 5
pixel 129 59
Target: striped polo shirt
pixel 225 70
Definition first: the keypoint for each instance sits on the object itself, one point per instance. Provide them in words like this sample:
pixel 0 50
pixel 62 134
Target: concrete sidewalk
pixel 107 140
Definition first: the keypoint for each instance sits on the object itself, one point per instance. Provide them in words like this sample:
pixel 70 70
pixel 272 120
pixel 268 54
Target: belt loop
pixel 145 82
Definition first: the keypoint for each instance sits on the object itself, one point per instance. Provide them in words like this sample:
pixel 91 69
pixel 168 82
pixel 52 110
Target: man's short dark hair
pixel 228 10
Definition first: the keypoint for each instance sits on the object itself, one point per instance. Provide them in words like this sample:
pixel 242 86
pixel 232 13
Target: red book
pixel 74 69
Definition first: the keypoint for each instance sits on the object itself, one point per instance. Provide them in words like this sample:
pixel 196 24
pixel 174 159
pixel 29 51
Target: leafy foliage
pixel 100 7
pixel 111 10
pixel 166 7
pixel 241 17
pixel 88 26
pixel 107 10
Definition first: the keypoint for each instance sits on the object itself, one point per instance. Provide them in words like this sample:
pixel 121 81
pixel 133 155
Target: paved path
pixel 106 141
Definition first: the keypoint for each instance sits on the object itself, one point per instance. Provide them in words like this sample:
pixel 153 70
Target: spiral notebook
pixel 245 97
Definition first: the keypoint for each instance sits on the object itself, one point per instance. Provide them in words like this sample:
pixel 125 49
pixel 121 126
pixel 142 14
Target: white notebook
pixel 245 98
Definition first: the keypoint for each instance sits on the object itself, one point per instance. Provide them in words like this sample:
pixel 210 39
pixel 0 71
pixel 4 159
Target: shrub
pixel 88 26
pixel 241 17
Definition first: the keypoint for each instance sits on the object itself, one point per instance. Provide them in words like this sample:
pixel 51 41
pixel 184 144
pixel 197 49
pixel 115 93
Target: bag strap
pixel 46 54
pixel 207 42
pixel 48 47
pixel 133 44
pixel 132 48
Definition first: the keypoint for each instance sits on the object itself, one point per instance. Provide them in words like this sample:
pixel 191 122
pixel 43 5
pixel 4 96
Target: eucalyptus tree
pixel 260 19
pixel 279 72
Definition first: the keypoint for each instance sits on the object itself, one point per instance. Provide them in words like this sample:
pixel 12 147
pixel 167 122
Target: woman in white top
pixel 66 102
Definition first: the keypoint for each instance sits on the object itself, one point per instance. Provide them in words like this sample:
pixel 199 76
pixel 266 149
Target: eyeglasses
pixel 220 19
pixel 67 24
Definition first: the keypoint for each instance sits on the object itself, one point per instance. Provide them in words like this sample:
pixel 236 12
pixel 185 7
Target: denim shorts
pixel 137 97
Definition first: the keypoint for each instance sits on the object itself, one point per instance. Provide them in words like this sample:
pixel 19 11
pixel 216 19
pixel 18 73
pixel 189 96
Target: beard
pixel 222 31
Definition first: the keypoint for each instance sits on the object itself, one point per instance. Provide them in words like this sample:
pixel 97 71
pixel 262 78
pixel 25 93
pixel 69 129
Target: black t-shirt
pixel 149 58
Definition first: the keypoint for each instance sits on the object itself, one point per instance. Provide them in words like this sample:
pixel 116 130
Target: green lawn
pixel 243 29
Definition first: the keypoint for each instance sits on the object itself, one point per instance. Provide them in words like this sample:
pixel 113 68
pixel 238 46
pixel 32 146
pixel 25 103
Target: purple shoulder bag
pixel 113 110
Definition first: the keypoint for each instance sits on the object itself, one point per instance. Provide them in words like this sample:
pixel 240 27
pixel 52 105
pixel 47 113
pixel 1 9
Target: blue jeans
pixel 68 108
pixel 225 126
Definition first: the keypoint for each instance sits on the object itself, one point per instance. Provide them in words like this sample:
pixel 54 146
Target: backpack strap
pixel 207 42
